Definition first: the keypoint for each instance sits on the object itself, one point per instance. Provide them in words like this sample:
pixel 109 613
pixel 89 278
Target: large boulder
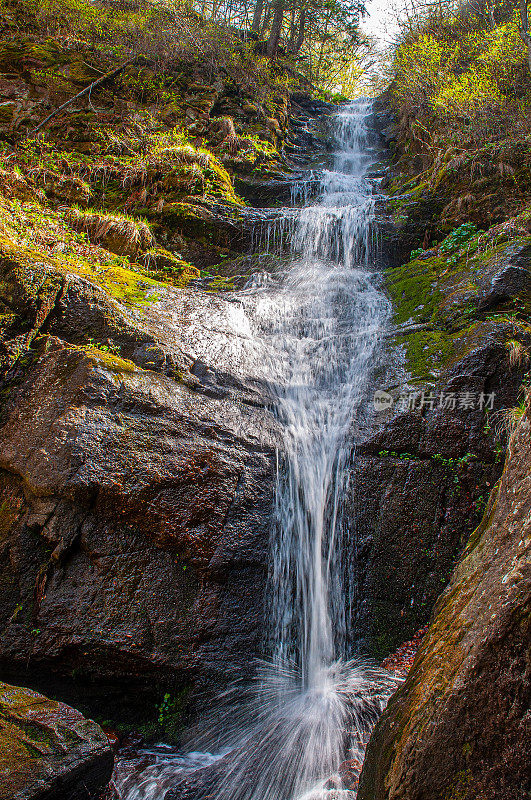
pixel 420 482
pixel 459 727
pixel 49 751
pixel 137 493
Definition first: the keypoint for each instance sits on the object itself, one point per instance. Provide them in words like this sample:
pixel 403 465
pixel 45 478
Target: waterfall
pixel 300 731
pixel 323 327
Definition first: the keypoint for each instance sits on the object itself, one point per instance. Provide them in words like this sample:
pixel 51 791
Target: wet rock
pixel 136 508
pixel 511 278
pixel 28 294
pixel 264 192
pixel 459 727
pixel 419 486
pixel 49 751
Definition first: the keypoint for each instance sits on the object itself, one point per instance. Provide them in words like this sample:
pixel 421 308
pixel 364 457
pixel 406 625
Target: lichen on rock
pixel 48 750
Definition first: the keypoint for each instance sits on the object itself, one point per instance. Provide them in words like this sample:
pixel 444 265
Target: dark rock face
pixel 419 487
pixel 506 280
pixel 459 727
pixel 137 493
pixel 49 751
pixel 421 479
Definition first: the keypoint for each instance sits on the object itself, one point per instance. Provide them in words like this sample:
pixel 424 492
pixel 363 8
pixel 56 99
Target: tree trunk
pixel 524 29
pixel 276 28
pixel 266 21
pixel 257 16
pixel 300 35
pixel 292 30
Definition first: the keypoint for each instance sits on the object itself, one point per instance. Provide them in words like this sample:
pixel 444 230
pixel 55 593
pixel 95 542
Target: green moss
pixel 109 360
pixel 127 286
pixel 219 183
pixel 221 284
pixel 440 289
pixel 460 787
pixel 162 265
pixel 426 351
pixel 16 54
pixel 415 290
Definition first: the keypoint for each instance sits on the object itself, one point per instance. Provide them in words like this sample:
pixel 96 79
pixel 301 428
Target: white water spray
pixel 303 726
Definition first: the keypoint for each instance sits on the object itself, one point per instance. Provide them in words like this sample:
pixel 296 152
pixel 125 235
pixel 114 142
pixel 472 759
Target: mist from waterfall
pixel 300 730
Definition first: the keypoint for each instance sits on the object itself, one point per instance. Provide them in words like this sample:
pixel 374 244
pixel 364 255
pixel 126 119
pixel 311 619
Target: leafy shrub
pixel 451 73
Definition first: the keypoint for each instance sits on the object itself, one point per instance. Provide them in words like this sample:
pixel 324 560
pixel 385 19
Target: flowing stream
pixel 300 731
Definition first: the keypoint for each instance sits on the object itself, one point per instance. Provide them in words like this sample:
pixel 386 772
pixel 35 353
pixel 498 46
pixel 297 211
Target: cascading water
pixel 303 726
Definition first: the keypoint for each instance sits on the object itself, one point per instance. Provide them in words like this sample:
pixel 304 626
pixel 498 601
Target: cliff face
pixel 455 358
pixel 137 451
pixel 459 727
pixel 137 495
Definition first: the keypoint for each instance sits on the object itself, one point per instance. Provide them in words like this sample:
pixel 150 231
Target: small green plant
pixel 453 243
pixel 393 454
pixel 166 708
pixel 109 347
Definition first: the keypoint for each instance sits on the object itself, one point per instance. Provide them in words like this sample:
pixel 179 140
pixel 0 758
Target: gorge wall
pixel 459 196
pixel 138 450
pixel 459 726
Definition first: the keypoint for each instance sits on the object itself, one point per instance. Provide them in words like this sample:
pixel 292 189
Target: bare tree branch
pixel 84 91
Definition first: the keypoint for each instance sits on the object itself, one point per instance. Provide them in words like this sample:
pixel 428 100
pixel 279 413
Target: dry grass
pixel 185 156
pixel 16 187
pixel 506 420
pixel 119 234
pixel 518 354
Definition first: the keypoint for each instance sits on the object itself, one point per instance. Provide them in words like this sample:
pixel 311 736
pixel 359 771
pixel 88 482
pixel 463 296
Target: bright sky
pixel 381 19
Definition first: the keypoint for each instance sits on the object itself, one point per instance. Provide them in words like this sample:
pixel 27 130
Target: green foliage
pixel 460 69
pixel 462 87
pixel 166 708
pixel 171 715
pixel 453 243
pixel 454 468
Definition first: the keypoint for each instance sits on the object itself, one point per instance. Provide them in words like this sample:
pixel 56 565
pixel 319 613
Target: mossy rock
pixel 49 749
pixel 414 288
pixel 8 110
pixel 109 361
pixel 185 180
pixel 29 287
pixel 23 53
pixel 164 266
